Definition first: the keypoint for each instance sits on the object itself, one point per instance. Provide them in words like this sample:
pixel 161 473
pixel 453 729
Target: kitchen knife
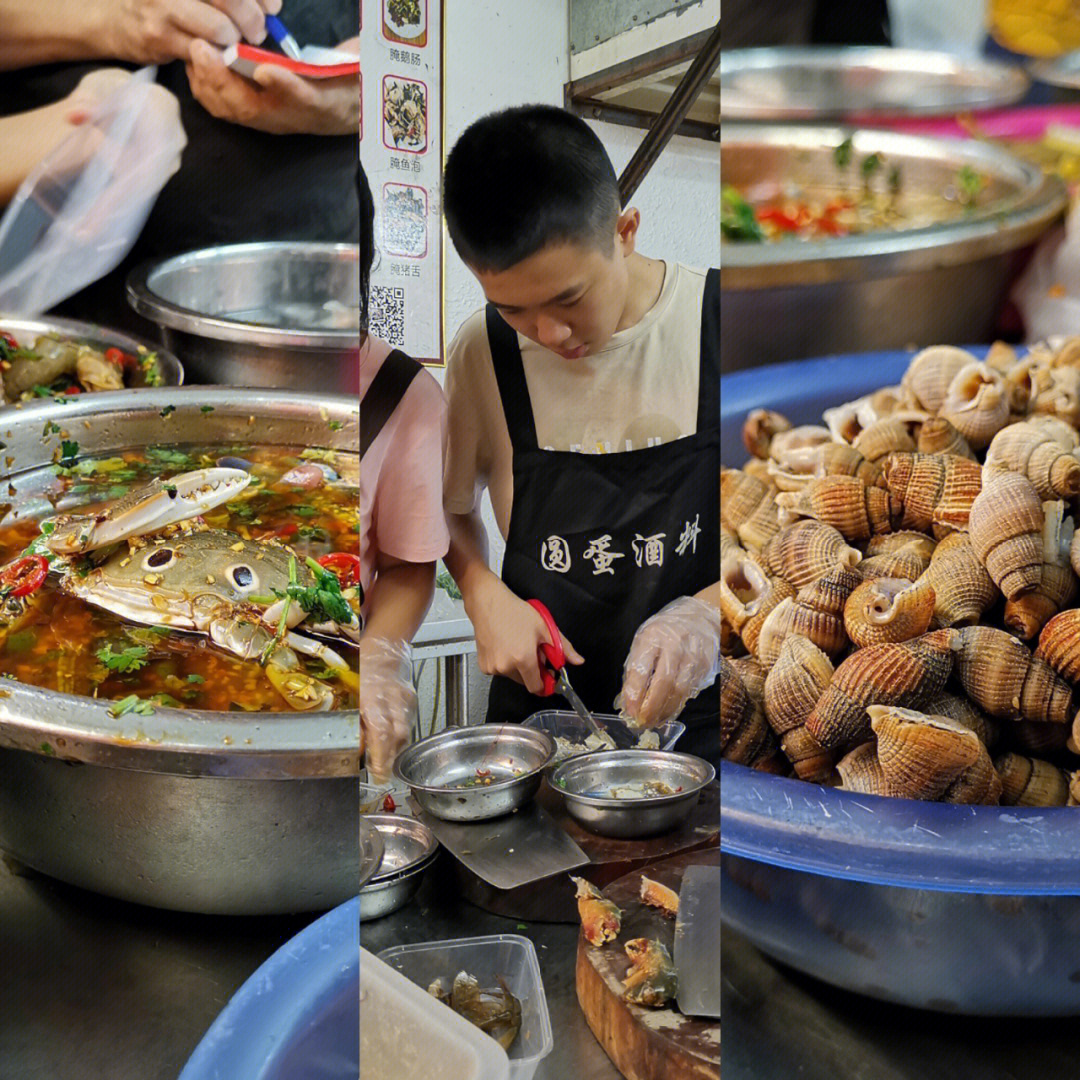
pixel 697 942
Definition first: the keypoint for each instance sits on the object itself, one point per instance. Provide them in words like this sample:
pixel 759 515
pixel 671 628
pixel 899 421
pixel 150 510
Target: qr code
pixel 386 314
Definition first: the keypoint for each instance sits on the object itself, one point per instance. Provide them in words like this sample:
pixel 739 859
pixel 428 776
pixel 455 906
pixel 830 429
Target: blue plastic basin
pixel 971 909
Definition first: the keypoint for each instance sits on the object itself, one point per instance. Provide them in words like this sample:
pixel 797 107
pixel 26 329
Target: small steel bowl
pixel 577 778
pixel 433 767
pixel 408 850
pixel 372 850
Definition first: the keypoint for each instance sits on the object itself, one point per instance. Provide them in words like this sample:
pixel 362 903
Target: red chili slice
pixel 25 575
pixel 119 357
pixel 73 390
pixel 8 340
pixel 388 804
pixel 344 565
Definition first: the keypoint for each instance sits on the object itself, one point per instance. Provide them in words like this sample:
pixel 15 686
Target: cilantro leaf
pixel 323 600
pixel 131 704
pixel 69 451
pixel 130 659
pixel 195 679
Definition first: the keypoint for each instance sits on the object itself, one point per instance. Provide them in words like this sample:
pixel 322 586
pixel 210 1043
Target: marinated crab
pixel 246 595
pixel 601 920
pixel 650 979
pixel 494 1011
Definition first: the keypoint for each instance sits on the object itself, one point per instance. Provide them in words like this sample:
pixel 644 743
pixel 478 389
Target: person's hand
pixel 388 704
pixel 508 632
pixel 159 31
pixel 673 657
pixel 274 99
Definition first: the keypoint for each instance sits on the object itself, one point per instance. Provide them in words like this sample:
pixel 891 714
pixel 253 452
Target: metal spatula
pixel 697 942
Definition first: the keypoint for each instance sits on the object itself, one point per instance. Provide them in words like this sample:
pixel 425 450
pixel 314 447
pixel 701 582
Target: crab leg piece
pixel 148 509
pixel 248 639
pixel 324 653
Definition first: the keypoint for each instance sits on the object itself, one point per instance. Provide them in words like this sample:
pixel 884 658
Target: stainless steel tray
pixel 818 83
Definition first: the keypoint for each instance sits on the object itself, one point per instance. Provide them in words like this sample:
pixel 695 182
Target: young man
pixel 586 399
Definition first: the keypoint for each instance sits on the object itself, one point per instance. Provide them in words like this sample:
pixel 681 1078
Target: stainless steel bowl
pixel 409 849
pixel 435 767
pixel 579 777
pixel 372 851
pixel 831 83
pixel 222 812
pixel 874 290
pixel 25 331
pixel 258 314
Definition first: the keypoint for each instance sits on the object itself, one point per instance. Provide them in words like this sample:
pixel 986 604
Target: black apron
pixel 384 394
pixel 606 540
pixel 234 184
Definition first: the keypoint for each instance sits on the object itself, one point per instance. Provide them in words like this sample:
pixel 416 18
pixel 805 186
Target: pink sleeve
pixel 408 513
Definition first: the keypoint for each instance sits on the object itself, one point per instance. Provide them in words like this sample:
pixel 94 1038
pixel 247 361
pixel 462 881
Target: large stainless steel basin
pixel 231 813
pixel 883 289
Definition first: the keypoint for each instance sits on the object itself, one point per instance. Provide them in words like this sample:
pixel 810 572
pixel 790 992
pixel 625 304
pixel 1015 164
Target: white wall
pixel 500 53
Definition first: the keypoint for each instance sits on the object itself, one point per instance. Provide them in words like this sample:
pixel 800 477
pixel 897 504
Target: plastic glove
pixel 675 655
pixel 388 704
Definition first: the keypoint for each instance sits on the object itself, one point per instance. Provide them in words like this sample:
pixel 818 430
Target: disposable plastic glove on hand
pixel 388 705
pixel 675 655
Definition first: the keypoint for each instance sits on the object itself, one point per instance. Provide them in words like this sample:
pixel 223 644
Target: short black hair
pixel 526 177
pixel 367 242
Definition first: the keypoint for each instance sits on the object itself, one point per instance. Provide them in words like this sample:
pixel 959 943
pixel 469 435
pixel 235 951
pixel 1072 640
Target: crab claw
pixel 160 503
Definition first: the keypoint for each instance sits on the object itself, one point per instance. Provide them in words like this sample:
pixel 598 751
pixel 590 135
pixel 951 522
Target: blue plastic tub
pixel 297 1017
pixel 970 909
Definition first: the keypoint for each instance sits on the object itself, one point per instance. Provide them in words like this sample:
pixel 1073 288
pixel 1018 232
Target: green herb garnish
pixel 843 153
pixel 131 704
pixel 335 425
pixel 167 411
pixel 303 510
pixel 737 220
pixel 69 451
pixel 195 679
pixel 323 600
pixel 206 408
pixel 968 184
pixel 130 659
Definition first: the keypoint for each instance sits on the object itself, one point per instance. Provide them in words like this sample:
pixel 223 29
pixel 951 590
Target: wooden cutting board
pixel 645 1044
pixel 552 898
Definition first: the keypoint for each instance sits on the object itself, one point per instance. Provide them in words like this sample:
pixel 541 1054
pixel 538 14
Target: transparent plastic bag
pixel 1048 291
pixel 81 209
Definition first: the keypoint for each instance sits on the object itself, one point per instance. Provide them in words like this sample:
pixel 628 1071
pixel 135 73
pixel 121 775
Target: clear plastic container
pixel 509 956
pixel 970 909
pixel 408 1035
pixel 567 724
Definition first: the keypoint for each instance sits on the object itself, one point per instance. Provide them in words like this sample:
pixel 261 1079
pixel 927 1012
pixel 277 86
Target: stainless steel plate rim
pixel 152 305
pixel 512 732
pixel 643 761
pixel 371 852
pixel 1039 199
pixel 257 745
pixel 990 83
pixel 390 827
pixel 170 369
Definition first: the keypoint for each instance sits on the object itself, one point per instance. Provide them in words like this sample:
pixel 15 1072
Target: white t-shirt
pixel 640 390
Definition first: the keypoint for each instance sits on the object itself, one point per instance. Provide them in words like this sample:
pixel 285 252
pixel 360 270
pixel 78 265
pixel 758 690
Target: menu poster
pixel 401 152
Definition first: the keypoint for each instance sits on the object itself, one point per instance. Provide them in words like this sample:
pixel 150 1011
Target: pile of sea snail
pixel 899 590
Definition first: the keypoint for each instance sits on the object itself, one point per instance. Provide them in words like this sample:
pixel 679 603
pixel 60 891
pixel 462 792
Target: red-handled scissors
pixel 552 660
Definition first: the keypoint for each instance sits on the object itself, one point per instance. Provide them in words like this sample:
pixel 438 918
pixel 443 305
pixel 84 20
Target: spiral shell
pixel 892 674
pixel 1006 527
pixel 1057 587
pixel 1056 392
pixel 805 551
pixel 747 508
pixel 844 502
pixel 861 771
pixel 759 470
pixel 1001 356
pixel 1031 450
pixel 1027 781
pixel 1038 739
pixel 729 543
pixel 979 784
pixel 798 467
pixel 774 631
pixel 1059 644
pixel 904 554
pixel 977 404
pixel 938 436
pixel 963 712
pixel 1067 354
pixel 935 490
pixel 802 437
pixel 931 372
pixel 759 427
pixel 792 689
pixel 1005 680
pixel 818 611
pixel 753 677
pixel 888 609
pixel 963 589
pixel 885 436
pixel 921 755
pixel 748 594
pixel 745 735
